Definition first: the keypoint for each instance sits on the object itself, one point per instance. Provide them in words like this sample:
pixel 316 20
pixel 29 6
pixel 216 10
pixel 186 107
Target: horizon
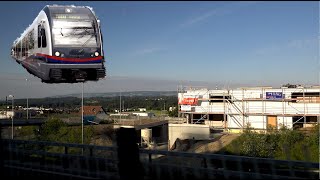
pixel 126 92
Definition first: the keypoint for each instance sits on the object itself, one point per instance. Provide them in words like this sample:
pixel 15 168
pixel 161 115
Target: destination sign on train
pixel 70 16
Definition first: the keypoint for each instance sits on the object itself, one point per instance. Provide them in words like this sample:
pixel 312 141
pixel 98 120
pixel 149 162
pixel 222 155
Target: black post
pixel 129 164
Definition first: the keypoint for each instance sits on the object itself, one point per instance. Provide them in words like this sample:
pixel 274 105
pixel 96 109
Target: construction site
pixel 260 108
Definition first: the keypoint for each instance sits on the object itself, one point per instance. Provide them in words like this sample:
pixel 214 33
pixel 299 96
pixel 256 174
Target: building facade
pixel 258 107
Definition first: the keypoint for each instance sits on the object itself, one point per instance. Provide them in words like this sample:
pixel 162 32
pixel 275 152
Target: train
pixel 64 44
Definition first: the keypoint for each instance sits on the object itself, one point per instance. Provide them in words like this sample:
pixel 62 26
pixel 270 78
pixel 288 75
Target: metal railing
pixel 66 159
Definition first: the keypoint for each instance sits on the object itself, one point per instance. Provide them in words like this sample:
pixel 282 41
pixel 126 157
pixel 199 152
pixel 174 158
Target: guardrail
pixel 90 161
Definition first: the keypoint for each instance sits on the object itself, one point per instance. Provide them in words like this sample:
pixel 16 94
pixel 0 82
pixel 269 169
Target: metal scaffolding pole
pixel 224 113
pixel 264 118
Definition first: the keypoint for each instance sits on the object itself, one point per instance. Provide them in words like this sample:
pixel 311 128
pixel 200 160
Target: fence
pixel 21 157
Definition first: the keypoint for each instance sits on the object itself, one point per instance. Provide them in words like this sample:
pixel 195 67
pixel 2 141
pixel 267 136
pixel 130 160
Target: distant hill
pixel 116 94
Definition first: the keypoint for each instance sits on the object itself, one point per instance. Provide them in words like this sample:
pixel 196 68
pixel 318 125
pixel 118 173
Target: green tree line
pixel 109 103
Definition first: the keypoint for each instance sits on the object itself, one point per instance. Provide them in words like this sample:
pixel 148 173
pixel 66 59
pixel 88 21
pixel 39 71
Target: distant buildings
pixel 93 110
pixel 142 109
pixel 93 114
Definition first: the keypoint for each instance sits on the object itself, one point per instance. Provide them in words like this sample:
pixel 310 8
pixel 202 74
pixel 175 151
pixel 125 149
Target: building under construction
pixel 257 107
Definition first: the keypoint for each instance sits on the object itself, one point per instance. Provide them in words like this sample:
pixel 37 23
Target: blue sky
pixel 217 43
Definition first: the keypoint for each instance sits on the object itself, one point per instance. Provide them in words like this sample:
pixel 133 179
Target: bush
pixel 279 144
pixel 49 129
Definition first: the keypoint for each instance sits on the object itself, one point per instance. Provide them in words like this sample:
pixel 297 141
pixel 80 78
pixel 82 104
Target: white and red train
pixel 62 45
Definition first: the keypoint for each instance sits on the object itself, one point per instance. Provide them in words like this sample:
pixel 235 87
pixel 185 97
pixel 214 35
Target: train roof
pixel 50 7
pixel 72 6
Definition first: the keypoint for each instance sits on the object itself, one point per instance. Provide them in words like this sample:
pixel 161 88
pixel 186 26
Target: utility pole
pixel 6 106
pixel 27 103
pixel 120 106
pixel 82 116
pixel 11 96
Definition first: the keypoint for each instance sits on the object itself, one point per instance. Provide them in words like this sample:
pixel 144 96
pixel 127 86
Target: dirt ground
pixel 204 146
pixel 207 146
pixel 213 145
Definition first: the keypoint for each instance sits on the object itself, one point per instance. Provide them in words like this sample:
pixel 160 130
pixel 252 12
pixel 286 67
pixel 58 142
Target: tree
pixel 174 112
pixel 50 128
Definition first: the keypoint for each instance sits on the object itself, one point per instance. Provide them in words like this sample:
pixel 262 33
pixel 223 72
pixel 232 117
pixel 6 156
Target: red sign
pixel 189 101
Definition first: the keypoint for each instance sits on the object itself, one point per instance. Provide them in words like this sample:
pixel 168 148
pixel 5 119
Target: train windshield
pixel 75 32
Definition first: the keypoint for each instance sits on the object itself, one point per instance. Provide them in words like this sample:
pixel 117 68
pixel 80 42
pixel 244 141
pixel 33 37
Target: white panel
pixel 212 108
pixel 257 121
pixel 185 107
pixel 234 121
pixel 286 121
pixel 214 123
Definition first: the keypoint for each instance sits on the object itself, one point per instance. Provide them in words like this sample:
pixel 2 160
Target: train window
pixel 101 39
pixel 74 33
pixel 43 38
pixel 39 36
pixel 31 40
pixel 26 46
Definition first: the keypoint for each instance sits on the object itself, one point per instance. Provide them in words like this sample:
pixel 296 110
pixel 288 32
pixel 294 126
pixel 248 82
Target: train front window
pixel 77 33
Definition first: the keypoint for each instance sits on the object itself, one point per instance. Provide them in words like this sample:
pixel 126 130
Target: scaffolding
pixel 294 102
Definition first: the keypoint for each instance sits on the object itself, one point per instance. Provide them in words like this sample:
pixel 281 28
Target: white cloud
pixel 292 44
pixel 229 8
pixel 202 17
pixel 302 43
pixel 147 51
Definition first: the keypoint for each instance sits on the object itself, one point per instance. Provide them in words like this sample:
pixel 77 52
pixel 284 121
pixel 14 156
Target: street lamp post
pixel 82 115
pixel 120 106
pixel 11 96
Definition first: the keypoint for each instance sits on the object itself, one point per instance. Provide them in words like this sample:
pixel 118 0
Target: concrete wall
pixel 9 114
pixel 146 135
pixel 188 131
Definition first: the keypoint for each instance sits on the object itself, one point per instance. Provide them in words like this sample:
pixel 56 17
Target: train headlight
pixel 57 53
pixel 96 54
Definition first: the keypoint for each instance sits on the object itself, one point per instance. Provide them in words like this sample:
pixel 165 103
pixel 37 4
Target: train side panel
pixel 42 45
